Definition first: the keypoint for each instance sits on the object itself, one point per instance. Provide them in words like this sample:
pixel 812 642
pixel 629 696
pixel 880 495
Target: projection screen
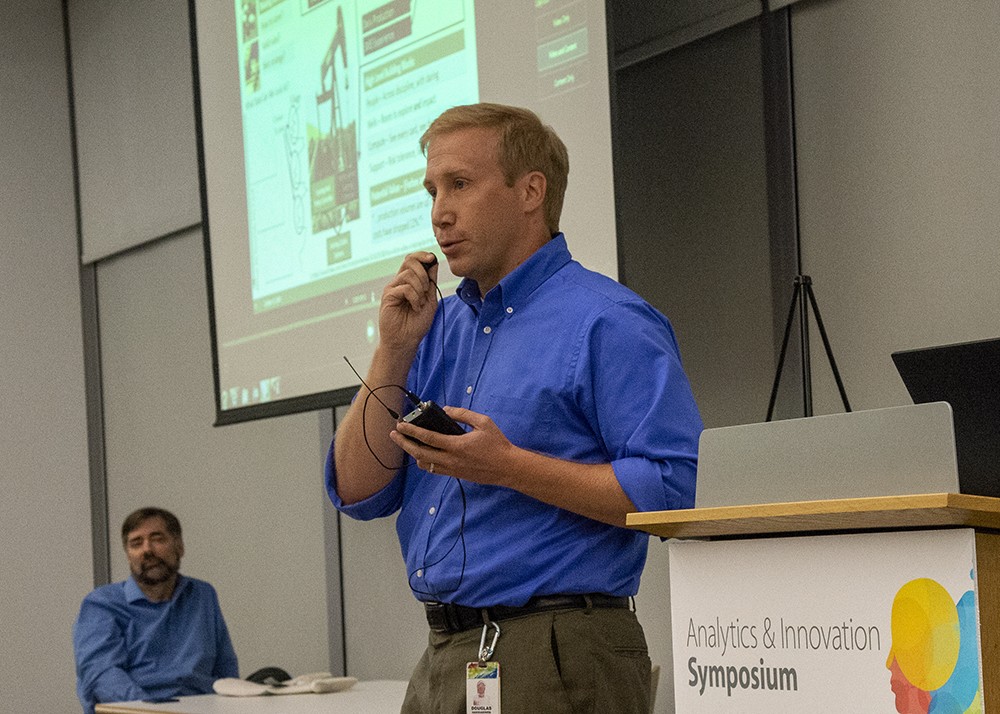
pixel 309 115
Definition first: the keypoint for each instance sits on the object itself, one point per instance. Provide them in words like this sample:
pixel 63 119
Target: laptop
pixel 967 376
pixel 892 451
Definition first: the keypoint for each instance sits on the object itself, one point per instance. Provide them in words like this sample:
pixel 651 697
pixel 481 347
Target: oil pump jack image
pixel 333 154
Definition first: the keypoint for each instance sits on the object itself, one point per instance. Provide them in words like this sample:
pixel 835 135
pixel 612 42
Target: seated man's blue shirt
pixel 129 648
pixel 568 363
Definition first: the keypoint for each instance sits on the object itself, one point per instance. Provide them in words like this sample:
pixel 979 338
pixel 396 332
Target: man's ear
pixel 180 547
pixel 534 186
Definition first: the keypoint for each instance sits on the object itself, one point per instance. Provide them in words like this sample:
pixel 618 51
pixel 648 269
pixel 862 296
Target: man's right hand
pixel 409 303
pixel 405 316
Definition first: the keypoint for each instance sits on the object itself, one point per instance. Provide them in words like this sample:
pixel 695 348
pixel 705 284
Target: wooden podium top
pixel 846 514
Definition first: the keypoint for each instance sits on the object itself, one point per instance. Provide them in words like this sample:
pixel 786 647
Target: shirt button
pixel 431 510
pixel 487 329
pixel 420 573
pixel 468 390
pixel 510 310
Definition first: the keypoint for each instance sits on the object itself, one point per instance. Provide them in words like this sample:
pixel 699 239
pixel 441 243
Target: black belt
pixel 447 617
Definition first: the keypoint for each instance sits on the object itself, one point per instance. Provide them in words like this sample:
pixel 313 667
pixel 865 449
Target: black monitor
pixel 967 376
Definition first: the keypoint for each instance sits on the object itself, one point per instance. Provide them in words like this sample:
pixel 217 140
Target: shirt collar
pixel 133 593
pixel 515 287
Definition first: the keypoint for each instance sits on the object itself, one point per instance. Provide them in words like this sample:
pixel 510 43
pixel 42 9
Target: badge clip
pixel 486 652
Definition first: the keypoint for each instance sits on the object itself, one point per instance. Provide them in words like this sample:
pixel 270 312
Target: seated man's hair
pixel 137 517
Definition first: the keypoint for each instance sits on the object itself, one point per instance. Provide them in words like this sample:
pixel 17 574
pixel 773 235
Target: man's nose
pixel 441 212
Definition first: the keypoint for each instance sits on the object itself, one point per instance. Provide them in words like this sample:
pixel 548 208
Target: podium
pixel 746 565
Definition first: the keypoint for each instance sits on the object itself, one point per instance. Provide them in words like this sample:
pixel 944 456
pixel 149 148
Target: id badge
pixel 482 688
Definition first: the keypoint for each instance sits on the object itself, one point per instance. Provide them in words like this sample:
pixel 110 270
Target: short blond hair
pixel 524 144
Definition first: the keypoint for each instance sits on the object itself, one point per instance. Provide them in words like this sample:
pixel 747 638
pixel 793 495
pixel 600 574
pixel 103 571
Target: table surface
pixel 374 697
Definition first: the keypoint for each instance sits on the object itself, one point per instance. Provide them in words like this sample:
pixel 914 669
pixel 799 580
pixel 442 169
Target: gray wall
pixel 249 496
pixel 897 108
pixel 896 104
pixel 131 80
pixel 693 213
pixel 45 566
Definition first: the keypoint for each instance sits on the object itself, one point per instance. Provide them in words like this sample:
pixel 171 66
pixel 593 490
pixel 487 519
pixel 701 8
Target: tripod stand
pixel 803 297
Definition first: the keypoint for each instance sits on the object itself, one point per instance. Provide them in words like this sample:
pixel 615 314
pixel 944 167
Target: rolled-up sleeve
pixel 643 407
pixel 382 503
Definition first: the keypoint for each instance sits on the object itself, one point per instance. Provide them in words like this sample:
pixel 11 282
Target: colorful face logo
pixel 934 657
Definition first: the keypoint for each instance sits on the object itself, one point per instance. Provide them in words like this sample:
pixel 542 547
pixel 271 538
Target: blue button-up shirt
pixel 568 363
pixel 129 648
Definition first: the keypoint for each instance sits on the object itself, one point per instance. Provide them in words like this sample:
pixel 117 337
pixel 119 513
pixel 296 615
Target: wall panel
pixel 45 564
pixel 899 163
pixel 135 122
pixel 249 496
pixel 693 214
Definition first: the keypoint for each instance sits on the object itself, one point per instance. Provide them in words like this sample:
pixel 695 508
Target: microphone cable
pixel 415 400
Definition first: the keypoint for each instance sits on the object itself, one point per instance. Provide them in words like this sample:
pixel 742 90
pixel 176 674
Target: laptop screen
pixel 967 376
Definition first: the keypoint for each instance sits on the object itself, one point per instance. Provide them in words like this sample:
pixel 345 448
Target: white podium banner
pixel 883 622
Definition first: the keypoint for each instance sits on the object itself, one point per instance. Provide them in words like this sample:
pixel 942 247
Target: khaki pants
pixel 560 662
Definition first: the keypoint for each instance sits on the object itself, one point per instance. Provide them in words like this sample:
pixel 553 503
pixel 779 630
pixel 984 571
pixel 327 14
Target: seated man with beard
pixel 157 634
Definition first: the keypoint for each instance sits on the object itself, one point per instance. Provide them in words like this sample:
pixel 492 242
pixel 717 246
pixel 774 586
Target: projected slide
pixel 335 96
pixel 311 113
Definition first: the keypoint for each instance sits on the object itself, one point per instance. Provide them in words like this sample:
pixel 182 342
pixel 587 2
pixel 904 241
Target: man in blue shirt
pixel 156 635
pixel 577 412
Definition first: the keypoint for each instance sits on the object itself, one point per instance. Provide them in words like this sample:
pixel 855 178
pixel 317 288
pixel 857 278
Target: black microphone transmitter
pixel 430 416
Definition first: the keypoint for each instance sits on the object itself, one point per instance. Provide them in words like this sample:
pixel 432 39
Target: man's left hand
pixel 478 455
pixel 484 455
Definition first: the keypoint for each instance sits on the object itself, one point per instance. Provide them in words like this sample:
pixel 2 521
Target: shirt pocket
pixel 528 423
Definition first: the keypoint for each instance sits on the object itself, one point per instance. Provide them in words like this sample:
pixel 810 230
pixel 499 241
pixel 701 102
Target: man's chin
pixel 155 575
